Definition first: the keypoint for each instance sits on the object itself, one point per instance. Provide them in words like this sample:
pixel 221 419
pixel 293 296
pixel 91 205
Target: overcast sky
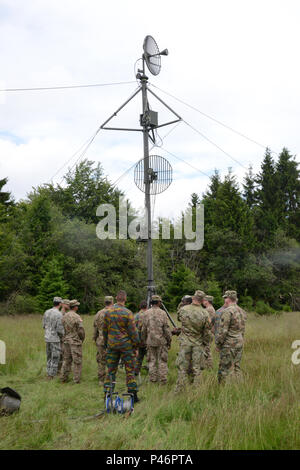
pixel 237 61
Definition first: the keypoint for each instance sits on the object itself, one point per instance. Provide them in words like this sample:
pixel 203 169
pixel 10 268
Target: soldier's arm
pixel 59 328
pixel 132 330
pixel 105 330
pixel 167 332
pixel 80 330
pixel 223 328
pixel 144 331
pixel 207 331
pixel 179 314
pixel 96 331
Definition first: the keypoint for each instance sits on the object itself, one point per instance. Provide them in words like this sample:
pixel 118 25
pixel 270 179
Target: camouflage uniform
pixel 156 334
pixel 52 324
pixel 217 319
pixel 62 311
pixel 72 344
pixel 142 350
pixel 98 338
pixel 120 341
pixel 194 337
pixel 230 341
pixel 212 314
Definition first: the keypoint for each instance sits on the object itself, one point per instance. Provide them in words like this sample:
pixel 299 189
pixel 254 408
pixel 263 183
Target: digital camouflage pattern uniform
pixel 194 337
pixel 142 350
pixel 72 344
pixel 120 341
pixel 230 340
pixel 54 331
pixel 65 308
pixel 98 338
pixel 212 314
pixel 157 336
pixel 217 320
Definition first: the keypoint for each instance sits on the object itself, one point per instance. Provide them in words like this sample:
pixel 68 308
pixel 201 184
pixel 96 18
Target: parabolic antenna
pixel 160 174
pixel 152 55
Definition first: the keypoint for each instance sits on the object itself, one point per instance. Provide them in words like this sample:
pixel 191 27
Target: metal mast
pixel 153 182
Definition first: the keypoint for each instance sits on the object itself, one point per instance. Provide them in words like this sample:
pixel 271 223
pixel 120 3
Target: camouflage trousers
pixel 53 352
pixel 72 354
pixel 113 357
pixel 61 357
pixel 190 360
pixel 139 360
pixel 101 360
pixel 157 358
pixel 230 363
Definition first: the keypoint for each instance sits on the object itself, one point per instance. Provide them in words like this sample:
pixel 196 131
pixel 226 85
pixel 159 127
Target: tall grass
pixel 261 412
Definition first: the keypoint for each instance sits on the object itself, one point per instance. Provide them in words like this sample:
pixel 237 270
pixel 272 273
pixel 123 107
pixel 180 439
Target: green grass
pixel 262 412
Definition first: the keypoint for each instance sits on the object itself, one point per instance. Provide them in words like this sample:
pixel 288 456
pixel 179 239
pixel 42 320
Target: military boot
pixel 135 397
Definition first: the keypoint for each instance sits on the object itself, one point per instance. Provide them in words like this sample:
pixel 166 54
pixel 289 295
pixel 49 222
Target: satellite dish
pixel 160 174
pixel 152 55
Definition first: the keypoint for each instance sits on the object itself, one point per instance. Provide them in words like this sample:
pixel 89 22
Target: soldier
pixel 207 303
pixel 194 337
pixel 217 319
pixel 186 300
pixel 142 350
pixel 121 340
pixel 230 337
pixel 156 334
pixel 98 338
pixel 54 331
pixel 72 343
pixel 65 307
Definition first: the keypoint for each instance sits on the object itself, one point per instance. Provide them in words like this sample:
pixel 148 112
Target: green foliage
pixel 183 282
pixel 246 302
pixel 212 287
pixel 263 308
pixel 52 284
pixel 286 308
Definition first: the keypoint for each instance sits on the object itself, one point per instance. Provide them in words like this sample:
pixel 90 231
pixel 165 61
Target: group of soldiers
pixel 122 337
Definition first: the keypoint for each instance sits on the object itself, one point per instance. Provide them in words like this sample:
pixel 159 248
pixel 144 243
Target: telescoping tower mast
pixel 153 173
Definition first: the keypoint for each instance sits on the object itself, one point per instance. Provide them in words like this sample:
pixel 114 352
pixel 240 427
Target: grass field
pixel 262 412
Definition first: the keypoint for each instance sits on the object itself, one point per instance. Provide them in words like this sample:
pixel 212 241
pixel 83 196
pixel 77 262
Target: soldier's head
pixel 207 301
pixel 230 297
pixel 65 303
pixel 198 297
pixel 74 304
pixel 121 297
pixel 143 305
pixel 108 300
pixel 156 301
pixel 186 300
pixel 57 302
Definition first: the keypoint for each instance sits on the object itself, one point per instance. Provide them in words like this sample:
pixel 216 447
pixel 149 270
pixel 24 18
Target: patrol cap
pixel 57 299
pixel 199 294
pixel 156 297
pixel 65 301
pixel 232 294
pixel 108 298
pixel 209 298
pixel 185 297
pixel 74 303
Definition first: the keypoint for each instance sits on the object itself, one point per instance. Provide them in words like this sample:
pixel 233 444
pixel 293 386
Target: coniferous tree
pixel 52 284
pixel 249 192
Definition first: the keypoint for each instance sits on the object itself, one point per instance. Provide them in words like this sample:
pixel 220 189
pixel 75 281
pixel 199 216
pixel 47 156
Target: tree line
pixel 48 243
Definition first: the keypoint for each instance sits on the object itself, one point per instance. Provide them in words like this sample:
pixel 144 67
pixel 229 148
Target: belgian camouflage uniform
pixel 98 338
pixel 72 344
pixel 142 350
pixel 157 336
pixel 120 341
pixel 212 313
pixel 52 324
pixel 230 341
pixel 194 337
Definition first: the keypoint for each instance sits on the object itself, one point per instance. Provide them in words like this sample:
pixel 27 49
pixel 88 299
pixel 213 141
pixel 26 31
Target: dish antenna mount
pixel 153 174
